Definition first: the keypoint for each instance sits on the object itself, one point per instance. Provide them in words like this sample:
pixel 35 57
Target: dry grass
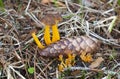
pixel 18 52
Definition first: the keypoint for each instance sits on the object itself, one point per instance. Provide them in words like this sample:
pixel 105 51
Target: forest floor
pixel 19 54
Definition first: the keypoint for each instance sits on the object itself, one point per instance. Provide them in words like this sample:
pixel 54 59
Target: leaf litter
pixel 18 51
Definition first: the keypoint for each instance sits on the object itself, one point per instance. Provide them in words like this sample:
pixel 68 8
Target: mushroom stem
pixel 47 35
pixel 37 41
pixel 56 35
pixel 86 57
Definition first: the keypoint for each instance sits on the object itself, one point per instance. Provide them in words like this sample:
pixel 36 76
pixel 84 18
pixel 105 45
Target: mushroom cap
pixel 58 17
pixel 51 19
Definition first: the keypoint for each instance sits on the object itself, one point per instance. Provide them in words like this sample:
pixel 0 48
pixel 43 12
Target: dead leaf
pixel 45 1
pixel 76 72
pixel 97 62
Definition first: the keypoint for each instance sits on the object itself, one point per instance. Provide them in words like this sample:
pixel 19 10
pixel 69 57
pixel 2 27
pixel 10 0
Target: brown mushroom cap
pixel 58 17
pixel 50 19
pixel 33 31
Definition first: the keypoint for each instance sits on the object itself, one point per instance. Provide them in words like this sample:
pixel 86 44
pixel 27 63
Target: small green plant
pixel 119 2
pixel 31 70
pixel 2 8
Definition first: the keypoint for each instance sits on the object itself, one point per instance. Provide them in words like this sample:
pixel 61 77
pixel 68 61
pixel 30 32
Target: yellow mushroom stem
pixel 86 57
pixel 37 40
pixel 60 67
pixel 47 35
pixel 60 58
pixel 56 35
pixel 65 63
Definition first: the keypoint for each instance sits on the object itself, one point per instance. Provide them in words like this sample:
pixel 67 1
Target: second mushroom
pixel 50 21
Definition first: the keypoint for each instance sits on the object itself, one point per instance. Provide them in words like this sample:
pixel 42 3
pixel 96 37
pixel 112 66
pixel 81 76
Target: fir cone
pixel 74 45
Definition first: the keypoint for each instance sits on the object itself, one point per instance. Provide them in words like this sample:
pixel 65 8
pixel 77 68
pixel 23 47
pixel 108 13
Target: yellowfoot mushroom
pixel 37 40
pixel 51 21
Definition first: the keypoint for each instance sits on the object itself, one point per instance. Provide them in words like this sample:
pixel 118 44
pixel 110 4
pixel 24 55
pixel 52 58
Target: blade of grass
pixel 112 24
